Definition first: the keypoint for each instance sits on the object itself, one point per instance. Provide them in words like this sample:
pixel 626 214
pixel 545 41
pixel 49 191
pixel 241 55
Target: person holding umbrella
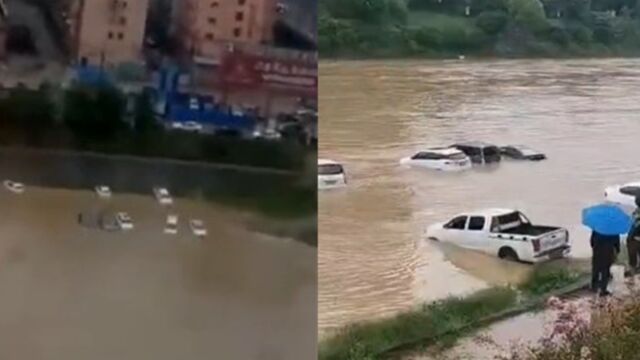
pixel 633 239
pixel 607 223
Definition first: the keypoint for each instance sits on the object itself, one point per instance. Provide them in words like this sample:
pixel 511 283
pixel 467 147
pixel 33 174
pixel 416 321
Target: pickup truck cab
pixel 505 233
pixel 480 152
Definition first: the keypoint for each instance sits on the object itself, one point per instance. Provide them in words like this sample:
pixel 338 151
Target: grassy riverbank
pixel 443 322
pixel 478 28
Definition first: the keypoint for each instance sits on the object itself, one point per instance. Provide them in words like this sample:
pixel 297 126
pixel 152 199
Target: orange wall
pixel 115 31
pixel 207 25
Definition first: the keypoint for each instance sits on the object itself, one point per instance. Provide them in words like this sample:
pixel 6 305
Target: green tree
pixel 529 14
pixel 144 120
pixel 32 113
pixel 492 22
pixel 94 115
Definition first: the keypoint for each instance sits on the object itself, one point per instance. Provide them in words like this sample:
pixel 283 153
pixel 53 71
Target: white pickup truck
pixel 505 233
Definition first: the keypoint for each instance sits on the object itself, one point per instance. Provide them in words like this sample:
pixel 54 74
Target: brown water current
pixel 373 259
pixel 70 292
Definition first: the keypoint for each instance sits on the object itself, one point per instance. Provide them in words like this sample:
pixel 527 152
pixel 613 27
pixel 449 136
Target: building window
pixel 120 36
pixel 239 16
pixel 212 21
pixel 214 4
pixel 237 32
pixel 123 20
pixel 209 36
pixel 110 35
pixel 241 2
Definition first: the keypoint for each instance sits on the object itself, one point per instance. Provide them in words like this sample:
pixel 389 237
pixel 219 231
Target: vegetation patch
pixel 442 323
pixel 500 28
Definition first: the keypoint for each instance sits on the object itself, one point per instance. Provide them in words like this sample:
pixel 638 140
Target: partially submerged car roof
pixel 327 162
pixel 441 150
pixel 476 144
pixel 490 212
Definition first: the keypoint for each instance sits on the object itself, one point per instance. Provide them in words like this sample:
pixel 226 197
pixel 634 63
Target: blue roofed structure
pixel 183 107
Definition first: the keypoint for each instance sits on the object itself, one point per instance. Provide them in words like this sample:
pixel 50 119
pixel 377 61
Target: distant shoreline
pixel 151 159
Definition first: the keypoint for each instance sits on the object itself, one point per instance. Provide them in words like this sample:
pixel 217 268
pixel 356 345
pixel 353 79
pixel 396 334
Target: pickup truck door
pixel 476 234
pixel 455 231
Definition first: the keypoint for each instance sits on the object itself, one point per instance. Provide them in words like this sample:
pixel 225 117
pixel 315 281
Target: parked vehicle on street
pixel 623 194
pixel 521 152
pixel 124 221
pixel 14 187
pixel 444 159
pixel 162 195
pixel 103 192
pixel 505 233
pixel 197 227
pixel 480 152
pixel 330 175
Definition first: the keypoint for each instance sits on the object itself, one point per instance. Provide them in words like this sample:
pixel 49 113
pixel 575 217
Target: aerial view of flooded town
pixel 158 193
pixel 463 150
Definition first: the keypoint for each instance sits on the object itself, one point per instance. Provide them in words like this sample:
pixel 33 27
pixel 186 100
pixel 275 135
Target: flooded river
pixel 373 260
pixel 73 292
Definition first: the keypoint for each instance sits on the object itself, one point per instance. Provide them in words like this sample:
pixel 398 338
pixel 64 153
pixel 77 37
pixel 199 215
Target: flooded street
pixel 373 259
pixel 70 292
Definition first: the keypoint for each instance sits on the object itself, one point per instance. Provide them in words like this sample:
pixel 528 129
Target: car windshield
pixel 630 190
pixel 330 169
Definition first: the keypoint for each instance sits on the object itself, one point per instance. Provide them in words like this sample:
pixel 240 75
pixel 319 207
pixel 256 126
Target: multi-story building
pixel 108 32
pixel 206 27
pixel 3 28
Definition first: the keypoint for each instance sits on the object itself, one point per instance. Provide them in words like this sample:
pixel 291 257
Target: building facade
pixel 205 28
pixel 108 32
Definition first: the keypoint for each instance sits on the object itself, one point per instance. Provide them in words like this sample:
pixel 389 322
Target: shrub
pixel 492 22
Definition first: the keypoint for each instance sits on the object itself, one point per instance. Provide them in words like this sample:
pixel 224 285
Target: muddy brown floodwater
pixel 69 292
pixel 373 259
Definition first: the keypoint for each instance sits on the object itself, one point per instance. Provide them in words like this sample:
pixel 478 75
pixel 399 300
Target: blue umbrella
pixel 606 219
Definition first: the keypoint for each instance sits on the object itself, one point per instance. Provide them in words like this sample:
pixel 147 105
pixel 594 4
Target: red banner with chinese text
pixel 246 70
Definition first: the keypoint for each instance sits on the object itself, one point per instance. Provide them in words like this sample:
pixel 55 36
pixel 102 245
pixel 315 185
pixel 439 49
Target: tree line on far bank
pixel 442 28
pixel 99 120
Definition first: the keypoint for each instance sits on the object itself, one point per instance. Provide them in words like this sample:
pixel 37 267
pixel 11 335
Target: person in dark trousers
pixel 605 249
pixel 633 240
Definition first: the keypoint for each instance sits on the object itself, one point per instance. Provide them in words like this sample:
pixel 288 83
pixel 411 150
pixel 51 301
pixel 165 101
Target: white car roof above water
pixel 488 212
pixel 442 151
pixel 327 162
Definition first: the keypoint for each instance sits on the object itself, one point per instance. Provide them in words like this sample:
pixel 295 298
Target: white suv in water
pixel 623 194
pixel 330 175
pixel 445 159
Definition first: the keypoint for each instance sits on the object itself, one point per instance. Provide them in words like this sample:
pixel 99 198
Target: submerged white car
pixel 197 227
pixel 444 159
pixel 623 194
pixel 124 221
pixel 507 234
pixel 162 195
pixel 103 191
pixel 330 175
pixel 14 187
pixel 171 227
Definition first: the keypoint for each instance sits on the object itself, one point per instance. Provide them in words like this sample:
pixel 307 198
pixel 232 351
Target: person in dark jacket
pixel 633 240
pixel 605 249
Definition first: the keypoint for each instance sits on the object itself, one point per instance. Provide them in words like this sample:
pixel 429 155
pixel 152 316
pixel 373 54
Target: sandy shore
pixel 69 292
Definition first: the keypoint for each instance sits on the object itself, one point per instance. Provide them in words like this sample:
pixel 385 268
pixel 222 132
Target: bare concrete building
pixel 206 27
pixel 108 31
